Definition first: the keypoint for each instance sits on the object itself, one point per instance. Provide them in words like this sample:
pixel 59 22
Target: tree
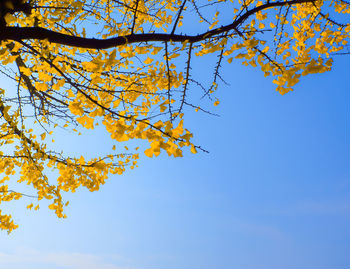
pixel 126 65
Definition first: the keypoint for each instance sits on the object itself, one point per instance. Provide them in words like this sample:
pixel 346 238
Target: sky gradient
pixel 274 191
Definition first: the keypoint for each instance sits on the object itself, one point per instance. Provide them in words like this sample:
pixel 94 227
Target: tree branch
pixel 25 33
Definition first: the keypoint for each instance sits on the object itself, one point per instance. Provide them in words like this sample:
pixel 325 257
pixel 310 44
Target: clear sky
pixel 274 191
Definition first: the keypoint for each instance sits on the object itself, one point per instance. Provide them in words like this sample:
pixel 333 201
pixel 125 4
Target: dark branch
pixel 25 33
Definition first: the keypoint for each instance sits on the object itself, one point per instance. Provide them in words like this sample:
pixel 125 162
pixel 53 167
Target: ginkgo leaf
pixel 76 108
pixel 9 18
pixel 148 60
pixel 86 121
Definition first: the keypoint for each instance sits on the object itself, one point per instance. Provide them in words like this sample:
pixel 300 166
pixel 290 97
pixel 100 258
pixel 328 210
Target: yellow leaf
pixel 86 121
pixel 193 149
pixel 148 60
pixel 43 135
pixel 9 18
pixel 76 108
pixel 82 160
pixel 25 71
pixel 240 56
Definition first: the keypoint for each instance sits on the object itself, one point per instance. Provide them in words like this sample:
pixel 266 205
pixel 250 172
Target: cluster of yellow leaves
pixel 304 38
pixel 29 159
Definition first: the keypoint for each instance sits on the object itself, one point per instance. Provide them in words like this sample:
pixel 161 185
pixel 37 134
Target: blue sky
pixel 274 191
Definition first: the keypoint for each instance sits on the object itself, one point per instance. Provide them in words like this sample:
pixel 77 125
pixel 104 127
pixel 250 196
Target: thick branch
pixel 25 33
